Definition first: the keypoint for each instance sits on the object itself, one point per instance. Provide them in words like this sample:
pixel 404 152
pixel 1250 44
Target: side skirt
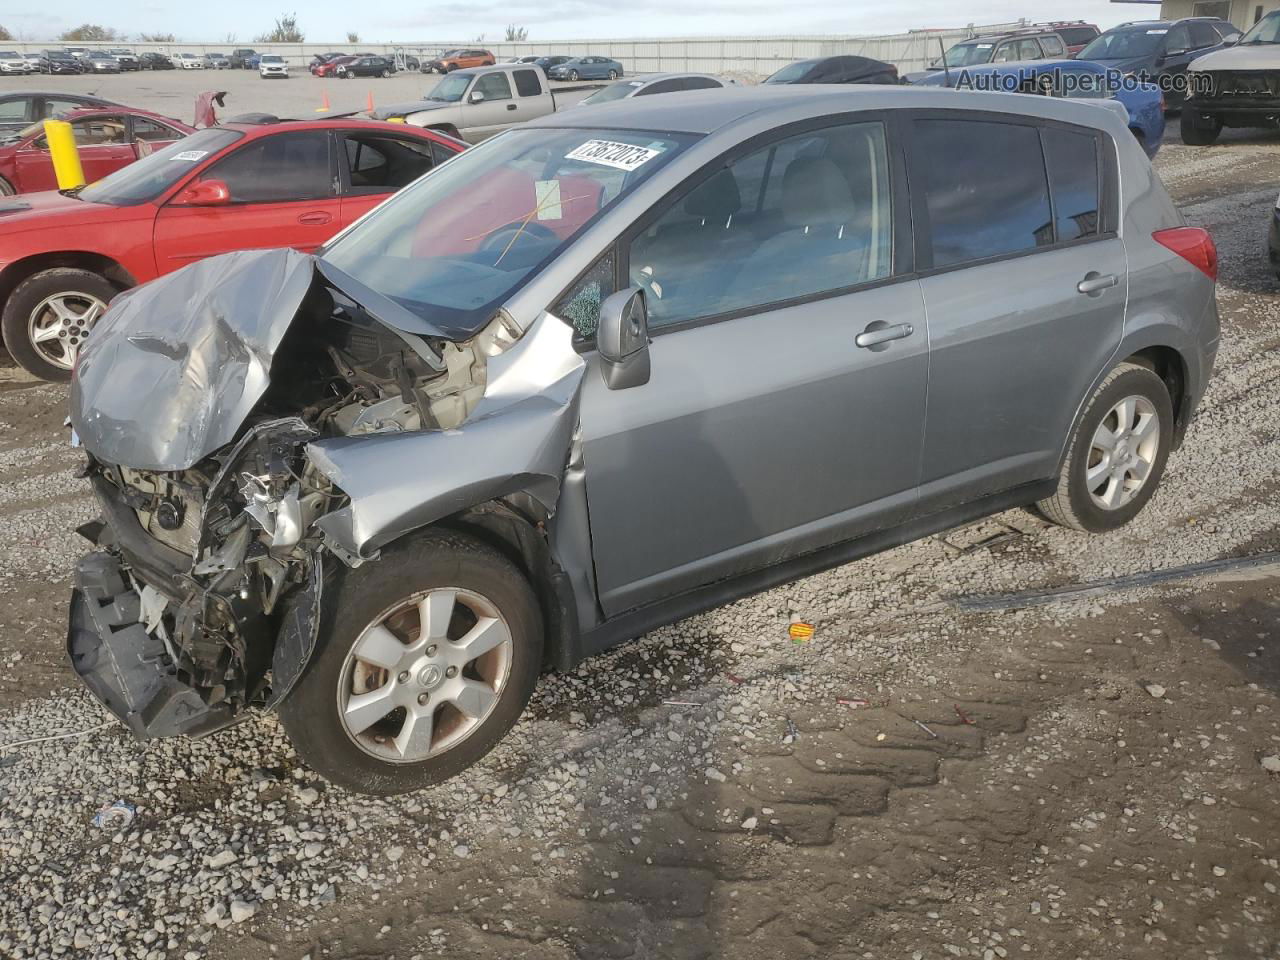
pixel 635 623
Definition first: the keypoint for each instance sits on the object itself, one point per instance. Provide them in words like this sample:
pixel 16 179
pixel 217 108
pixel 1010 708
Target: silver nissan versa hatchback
pixel 605 371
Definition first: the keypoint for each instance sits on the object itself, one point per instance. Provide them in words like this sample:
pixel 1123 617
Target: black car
pixel 842 69
pixel 367 67
pixel 20 110
pixel 1158 51
pixel 60 63
pixel 154 61
pixel 546 63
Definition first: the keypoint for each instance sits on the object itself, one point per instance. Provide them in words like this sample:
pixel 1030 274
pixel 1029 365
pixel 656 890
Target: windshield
pixel 1266 30
pixel 152 175
pixel 968 54
pixel 616 91
pixel 450 89
pixel 455 244
pixel 269 58
pixel 1122 44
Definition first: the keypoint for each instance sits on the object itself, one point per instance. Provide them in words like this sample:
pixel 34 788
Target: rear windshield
pixel 152 175
pixel 617 91
pixel 1075 35
pixel 1125 42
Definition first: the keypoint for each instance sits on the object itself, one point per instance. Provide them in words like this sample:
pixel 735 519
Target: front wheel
pixel 7 189
pixel 48 317
pixel 1117 454
pixel 427 658
pixel 573 75
pixel 1197 133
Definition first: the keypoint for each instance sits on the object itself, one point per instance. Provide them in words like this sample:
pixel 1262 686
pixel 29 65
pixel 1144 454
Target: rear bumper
pixel 124 666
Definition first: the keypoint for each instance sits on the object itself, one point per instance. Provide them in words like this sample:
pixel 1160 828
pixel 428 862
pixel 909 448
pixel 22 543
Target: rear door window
pixel 17 110
pixel 984 187
pixel 380 164
pixel 278 168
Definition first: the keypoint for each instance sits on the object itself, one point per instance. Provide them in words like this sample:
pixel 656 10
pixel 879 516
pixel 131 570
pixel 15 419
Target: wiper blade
pixel 72 191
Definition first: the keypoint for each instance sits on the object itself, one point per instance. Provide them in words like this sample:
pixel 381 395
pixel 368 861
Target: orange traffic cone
pixel 368 103
pixel 324 102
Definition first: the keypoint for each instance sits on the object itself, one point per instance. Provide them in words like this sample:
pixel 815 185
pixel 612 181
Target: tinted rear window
pixel 1075 35
pixel 985 188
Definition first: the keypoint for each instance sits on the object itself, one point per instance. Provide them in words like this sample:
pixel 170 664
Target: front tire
pixel 573 76
pixel 1117 455
pixel 7 189
pixel 1197 134
pixel 48 316
pixel 393 699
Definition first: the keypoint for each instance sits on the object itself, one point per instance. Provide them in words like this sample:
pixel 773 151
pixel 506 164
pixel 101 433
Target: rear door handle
pixel 878 332
pixel 1095 282
pixel 315 217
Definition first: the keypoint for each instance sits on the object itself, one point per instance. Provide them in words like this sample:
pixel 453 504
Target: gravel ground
pixel 1091 778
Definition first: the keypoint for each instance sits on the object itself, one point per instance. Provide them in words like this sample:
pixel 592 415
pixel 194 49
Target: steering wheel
pixel 513 236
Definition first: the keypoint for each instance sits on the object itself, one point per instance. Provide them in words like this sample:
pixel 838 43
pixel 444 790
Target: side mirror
pixel 204 193
pixel 1231 41
pixel 476 96
pixel 622 339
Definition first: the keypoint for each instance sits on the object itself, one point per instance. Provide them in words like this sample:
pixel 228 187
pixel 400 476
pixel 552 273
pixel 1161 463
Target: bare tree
pixel 5 34
pixel 91 31
pixel 157 37
pixel 285 31
pixel 230 38
pixel 517 33
pixel 353 37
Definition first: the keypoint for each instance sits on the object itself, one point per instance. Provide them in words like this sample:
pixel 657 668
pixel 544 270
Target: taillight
pixel 1194 245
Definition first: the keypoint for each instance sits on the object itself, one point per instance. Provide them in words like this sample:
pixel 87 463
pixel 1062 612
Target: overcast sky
pixel 325 20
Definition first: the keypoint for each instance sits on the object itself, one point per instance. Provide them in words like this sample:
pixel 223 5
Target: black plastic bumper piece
pixel 126 667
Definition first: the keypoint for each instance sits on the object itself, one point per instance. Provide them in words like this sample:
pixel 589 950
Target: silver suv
pixel 608 370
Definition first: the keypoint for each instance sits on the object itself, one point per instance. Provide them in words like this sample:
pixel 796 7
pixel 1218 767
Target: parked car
pixel 1273 240
pixel 365 67
pixel 411 63
pixel 599 290
pixel 586 68
pixel 1235 87
pixel 320 59
pixel 271 65
pixel 79 53
pixel 34 61
pixel 20 109
pixel 229 187
pixel 652 83
pixel 188 61
pixel 127 59
pixel 243 58
pixel 452 60
pixel 154 61
pixel 839 69
pixel 60 64
pixel 216 61
pixel 546 63
pixel 107 139
pixel 1076 34
pixel 477 103
pixel 1141 106
pixel 534 58
pixel 1159 51
pixel 12 62
pixel 1034 43
pixel 99 62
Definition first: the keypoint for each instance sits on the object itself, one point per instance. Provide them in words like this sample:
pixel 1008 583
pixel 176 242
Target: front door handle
pixel 1095 282
pixel 315 217
pixel 878 333
pixel 511 106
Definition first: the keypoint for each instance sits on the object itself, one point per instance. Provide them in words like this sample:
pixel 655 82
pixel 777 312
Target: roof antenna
pixel 945 69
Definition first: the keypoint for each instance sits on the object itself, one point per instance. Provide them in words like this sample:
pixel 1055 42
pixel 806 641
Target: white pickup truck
pixel 478 102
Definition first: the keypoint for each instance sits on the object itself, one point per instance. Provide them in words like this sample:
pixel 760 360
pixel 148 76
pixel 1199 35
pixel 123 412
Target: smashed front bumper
pixel 125 667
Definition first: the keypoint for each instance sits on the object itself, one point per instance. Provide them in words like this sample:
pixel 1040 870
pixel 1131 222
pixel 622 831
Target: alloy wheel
pixel 59 325
pixel 424 675
pixel 1123 452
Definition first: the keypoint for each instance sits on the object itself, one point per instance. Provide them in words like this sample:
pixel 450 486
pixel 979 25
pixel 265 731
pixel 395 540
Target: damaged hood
pixel 174 367
pixel 405 109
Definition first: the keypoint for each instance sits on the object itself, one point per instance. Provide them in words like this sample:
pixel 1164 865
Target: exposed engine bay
pixel 213 570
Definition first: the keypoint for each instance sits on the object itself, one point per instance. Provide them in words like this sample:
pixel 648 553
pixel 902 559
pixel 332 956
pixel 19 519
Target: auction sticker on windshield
pixel 609 153
pixel 191 156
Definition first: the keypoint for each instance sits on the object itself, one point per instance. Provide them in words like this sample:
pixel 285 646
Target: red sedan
pixel 330 69
pixel 233 187
pixel 109 138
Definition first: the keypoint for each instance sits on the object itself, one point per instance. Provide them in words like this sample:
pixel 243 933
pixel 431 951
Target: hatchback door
pixel 1025 290
pixel 789 359
pixel 283 194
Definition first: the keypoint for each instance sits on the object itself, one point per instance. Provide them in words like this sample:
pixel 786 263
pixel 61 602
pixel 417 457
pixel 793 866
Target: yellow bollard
pixel 65 156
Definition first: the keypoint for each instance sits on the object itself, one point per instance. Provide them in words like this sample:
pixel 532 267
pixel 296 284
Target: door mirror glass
pixel 1232 40
pixel 476 96
pixel 205 193
pixel 623 339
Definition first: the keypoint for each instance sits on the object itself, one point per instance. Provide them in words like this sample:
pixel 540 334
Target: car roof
pixel 709 111
pixel 1021 33
pixel 82 97
pixel 330 123
pixel 648 78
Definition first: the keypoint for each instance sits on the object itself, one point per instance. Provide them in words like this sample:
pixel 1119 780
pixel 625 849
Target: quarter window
pixel 527 84
pixel 1073 175
pixel 278 168
pixel 985 189
pixel 494 86
pixel 150 130
pixel 803 216
pixel 1053 46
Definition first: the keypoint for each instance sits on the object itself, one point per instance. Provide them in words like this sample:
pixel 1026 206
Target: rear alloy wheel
pixel 613 74
pixel 428 656
pixel 1196 132
pixel 385 74
pixel 48 317
pixel 1117 454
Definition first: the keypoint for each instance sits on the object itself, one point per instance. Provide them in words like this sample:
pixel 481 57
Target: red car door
pixel 374 164
pixel 283 193
pixel 103 145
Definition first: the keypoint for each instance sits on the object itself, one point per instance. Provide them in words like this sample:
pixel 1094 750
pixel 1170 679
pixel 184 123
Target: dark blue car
pixel 1143 103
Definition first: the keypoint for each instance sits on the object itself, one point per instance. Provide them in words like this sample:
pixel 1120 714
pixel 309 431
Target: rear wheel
pixel 427 658
pixel 49 315
pixel 1117 454
pixel 1198 132
pixel 6 188
pixel 385 74
pixel 613 74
